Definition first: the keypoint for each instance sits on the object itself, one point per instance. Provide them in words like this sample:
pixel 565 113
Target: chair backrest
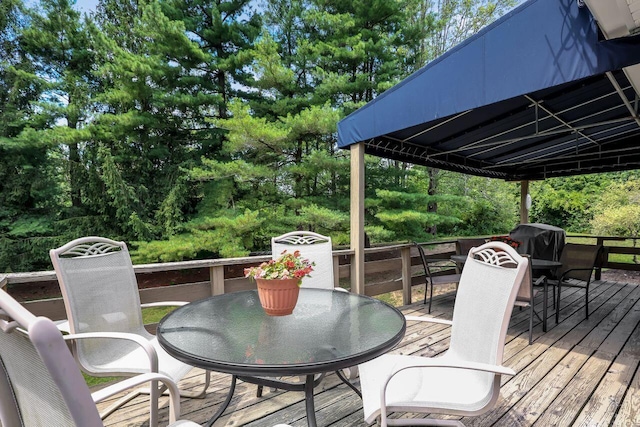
pixel 313 246
pixel 486 294
pixel 40 383
pixel 581 257
pixel 423 258
pixel 464 245
pixel 525 291
pixel 100 294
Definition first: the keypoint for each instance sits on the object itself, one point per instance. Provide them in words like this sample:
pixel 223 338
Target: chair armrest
pixel 174 393
pixel 574 269
pixel 164 304
pixel 437 362
pixel 540 280
pixel 429 319
pixel 141 341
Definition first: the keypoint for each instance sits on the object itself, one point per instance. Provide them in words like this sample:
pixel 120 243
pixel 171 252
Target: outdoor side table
pixel 327 331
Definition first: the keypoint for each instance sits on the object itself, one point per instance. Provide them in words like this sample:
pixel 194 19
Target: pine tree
pixel 151 128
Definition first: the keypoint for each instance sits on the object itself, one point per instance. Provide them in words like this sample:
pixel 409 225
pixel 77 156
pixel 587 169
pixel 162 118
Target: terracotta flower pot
pixel 278 297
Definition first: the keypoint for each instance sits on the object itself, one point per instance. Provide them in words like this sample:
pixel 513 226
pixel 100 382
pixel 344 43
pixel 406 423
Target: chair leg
pixel 426 289
pixel 190 394
pixel 430 297
pixel 586 300
pixel 120 402
pixel 153 403
pixel 558 304
pixel 531 322
pixel 198 394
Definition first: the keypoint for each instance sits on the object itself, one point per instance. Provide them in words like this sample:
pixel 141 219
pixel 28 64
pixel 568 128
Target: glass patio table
pixel 327 331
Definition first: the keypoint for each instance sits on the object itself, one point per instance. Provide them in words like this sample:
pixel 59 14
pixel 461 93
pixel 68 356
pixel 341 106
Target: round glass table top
pixel 328 330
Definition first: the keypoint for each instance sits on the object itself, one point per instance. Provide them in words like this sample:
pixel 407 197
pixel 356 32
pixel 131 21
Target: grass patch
pixel 155 314
pixel 96 381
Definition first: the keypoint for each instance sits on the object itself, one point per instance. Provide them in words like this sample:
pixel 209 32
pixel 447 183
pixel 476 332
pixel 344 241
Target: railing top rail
pixel 39 276
pixel 601 237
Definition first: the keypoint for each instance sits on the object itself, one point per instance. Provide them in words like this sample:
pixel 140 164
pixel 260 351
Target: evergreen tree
pixel 150 131
pixel 58 44
pixel 29 191
pixel 224 29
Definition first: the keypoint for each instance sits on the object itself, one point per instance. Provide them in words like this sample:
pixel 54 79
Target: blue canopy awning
pixel 538 93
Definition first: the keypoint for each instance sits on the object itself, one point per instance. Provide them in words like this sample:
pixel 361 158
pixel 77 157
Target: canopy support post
pixel 357 218
pixel 524 212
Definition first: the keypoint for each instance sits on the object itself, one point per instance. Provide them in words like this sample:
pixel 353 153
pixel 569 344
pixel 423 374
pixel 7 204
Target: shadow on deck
pixel 580 372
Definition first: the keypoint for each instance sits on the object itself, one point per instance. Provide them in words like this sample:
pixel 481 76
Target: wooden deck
pixel 580 373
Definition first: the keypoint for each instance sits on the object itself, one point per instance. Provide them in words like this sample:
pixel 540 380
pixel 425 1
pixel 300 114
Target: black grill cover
pixel 541 241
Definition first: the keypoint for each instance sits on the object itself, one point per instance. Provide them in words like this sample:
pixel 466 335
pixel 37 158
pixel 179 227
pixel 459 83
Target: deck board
pixel 579 373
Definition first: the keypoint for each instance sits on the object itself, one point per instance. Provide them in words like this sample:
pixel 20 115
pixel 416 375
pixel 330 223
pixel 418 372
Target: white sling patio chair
pixel 101 297
pixel 313 246
pixel 526 297
pixel 465 380
pixel 40 383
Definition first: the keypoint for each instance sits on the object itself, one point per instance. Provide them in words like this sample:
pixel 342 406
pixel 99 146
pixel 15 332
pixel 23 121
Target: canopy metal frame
pixel 540 140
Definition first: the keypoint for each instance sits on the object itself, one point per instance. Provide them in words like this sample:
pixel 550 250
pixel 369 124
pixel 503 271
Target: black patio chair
pixel 431 278
pixel 578 262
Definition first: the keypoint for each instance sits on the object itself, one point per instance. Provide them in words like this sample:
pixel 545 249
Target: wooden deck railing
pixel 387 268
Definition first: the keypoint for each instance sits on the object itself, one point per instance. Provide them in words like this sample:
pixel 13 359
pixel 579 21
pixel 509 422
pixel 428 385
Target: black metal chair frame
pixel 567 274
pixel 433 279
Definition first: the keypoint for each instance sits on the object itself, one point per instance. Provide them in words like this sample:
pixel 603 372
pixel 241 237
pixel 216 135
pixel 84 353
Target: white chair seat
pixel 407 389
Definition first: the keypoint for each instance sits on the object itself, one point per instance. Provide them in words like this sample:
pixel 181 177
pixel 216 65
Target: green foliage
pixel 566 202
pixel 201 128
pixel 485 206
pixel 617 213
pixel 405 223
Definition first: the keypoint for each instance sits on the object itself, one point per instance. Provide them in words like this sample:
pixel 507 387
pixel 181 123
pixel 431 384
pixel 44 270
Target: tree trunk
pixel 74 168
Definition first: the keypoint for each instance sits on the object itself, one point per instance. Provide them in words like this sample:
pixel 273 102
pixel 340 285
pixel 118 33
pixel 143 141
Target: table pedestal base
pixel 308 386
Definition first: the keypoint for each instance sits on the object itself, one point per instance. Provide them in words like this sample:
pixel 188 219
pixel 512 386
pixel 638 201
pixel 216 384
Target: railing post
pixel 405 254
pixel 216 278
pixel 357 218
pixel 524 210
pixel 604 258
